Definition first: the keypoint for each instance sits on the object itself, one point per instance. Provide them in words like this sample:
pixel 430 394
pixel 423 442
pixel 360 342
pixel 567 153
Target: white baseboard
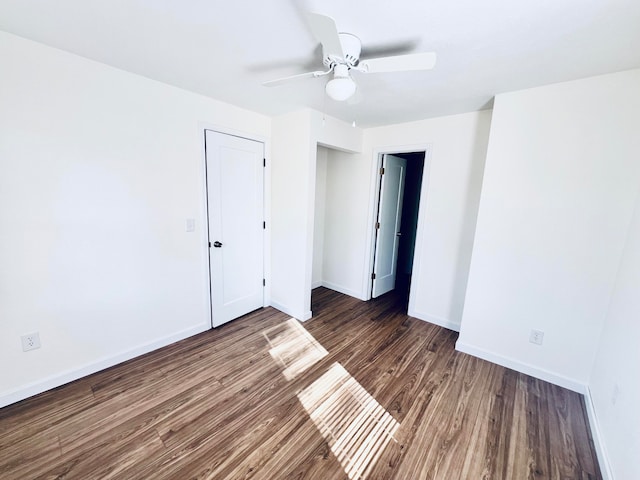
pixel 341 289
pixel 525 368
pixel 598 441
pixel 298 315
pixel 53 381
pixel 542 374
pixel 316 284
pixel 442 322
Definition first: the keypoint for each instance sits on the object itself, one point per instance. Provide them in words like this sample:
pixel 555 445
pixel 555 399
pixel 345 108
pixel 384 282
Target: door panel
pixel 389 218
pixel 235 200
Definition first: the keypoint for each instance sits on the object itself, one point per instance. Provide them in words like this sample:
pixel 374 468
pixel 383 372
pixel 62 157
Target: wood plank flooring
pixel 360 391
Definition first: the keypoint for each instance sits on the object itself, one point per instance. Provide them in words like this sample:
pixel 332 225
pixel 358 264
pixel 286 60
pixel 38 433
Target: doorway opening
pixel 396 223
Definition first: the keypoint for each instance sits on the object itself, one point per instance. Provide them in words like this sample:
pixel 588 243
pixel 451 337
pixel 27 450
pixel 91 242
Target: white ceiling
pixel 226 49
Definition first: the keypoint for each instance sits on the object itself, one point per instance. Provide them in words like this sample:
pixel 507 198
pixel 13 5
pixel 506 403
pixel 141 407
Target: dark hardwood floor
pixel 360 391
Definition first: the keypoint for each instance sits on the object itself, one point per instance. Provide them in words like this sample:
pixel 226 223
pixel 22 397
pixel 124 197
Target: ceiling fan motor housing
pixel 351 47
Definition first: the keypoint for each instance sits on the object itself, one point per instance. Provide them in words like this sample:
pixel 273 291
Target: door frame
pixel 378 154
pixel 204 214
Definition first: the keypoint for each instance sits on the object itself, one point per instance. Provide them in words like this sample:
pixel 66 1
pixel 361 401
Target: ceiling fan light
pixel 341 88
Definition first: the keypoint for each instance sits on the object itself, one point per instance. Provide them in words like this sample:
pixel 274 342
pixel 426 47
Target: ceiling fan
pixel 341 56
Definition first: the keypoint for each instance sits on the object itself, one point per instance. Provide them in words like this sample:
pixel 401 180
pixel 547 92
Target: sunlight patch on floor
pixel 293 347
pixel 354 424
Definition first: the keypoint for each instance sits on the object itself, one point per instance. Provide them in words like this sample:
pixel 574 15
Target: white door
pixel 388 224
pixel 235 186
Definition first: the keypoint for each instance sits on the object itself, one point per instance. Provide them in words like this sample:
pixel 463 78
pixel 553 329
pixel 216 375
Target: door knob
pixel 217 244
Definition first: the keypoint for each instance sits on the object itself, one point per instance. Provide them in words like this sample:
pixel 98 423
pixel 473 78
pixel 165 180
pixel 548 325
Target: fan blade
pixel 311 61
pixel 293 78
pixel 325 30
pixel 400 63
pixel 386 50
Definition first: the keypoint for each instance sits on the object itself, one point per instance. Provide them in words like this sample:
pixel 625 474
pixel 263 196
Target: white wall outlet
pixel 536 337
pixel 30 341
pixel 190 224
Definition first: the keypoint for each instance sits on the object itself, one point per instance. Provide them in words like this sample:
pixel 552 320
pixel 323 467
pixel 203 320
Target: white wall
pixel 557 199
pixel 457 147
pixel 319 214
pixel 292 179
pixel 334 134
pixel 341 270
pixel 295 140
pixel 615 385
pixel 331 261
pixel 99 170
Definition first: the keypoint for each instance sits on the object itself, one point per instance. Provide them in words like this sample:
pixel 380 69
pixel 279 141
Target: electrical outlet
pixel 30 341
pixel 536 337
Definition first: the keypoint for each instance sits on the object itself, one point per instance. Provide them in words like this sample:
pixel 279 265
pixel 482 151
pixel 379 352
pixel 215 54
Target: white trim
pixel 317 284
pixel 420 233
pixel 204 221
pixel 71 375
pixel 598 440
pixel 267 219
pixel 440 321
pixel 310 225
pixel 231 131
pixel 521 367
pixel 341 289
pixel 579 387
pixel 302 316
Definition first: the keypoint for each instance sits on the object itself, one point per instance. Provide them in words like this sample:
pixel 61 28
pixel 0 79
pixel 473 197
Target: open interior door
pixel 388 223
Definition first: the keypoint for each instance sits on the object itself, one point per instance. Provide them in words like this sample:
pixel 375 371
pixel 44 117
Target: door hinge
pixel 264 282
pixel 264 162
pixel 377 225
pixel 381 170
pixel 373 276
pixel 264 225
pixel 209 244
